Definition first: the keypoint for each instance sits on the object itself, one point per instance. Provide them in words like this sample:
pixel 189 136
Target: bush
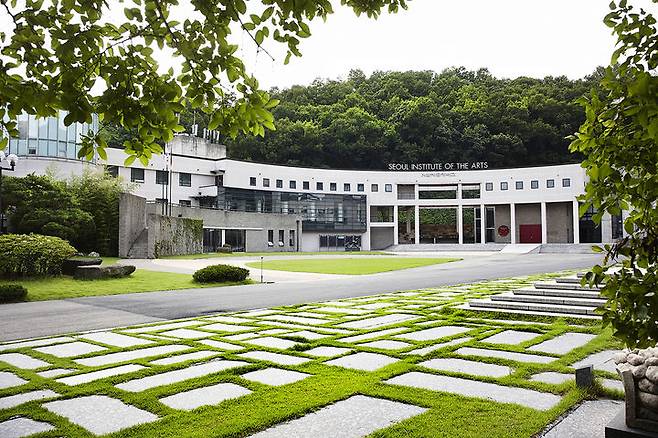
pixel 12 292
pixel 220 274
pixel 32 255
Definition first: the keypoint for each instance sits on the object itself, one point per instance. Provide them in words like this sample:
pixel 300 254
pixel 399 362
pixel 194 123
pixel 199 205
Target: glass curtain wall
pixel 406 225
pixel 438 225
pixel 471 223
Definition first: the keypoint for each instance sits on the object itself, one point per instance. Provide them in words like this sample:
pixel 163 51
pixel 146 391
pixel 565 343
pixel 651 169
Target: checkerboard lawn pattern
pixel 399 364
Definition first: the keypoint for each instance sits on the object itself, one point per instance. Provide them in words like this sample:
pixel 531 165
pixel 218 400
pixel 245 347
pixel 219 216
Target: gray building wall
pixel 502 217
pixel 173 236
pixel 559 217
pixel 381 237
pixel 132 221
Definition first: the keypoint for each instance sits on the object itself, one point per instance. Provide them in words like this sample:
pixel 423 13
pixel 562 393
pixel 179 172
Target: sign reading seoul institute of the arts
pixel 475 165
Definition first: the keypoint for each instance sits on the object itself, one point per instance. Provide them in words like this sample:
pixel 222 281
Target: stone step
pixel 569 293
pixel 527 312
pixel 545 299
pixel 576 311
pixel 569 280
pixel 555 285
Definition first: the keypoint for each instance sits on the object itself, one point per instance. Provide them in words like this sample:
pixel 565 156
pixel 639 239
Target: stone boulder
pixel 69 266
pixel 639 372
pixel 102 272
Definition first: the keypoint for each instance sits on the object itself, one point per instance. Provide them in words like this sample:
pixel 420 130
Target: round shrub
pixel 32 255
pixel 220 274
pixel 12 292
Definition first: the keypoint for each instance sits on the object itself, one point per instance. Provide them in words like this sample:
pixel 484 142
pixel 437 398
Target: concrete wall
pixel 381 237
pixel 173 235
pixel 132 221
pixel 527 214
pixel 502 217
pixel 559 216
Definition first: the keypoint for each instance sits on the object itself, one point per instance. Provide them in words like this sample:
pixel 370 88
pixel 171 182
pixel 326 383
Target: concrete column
pixel 223 237
pixel 483 224
pixel 576 222
pixel 512 220
pixel 606 228
pixel 460 224
pixel 395 225
pixel 416 224
pixel 544 224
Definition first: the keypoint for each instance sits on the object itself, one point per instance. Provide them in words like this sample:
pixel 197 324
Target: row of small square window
pixel 306 185
pixel 534 184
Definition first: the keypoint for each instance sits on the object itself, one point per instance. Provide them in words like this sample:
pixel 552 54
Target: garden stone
pixel 36 343
pixel 616 385
pixel 124 356
pixel 69 265
pixel 93 254
pixel 379 321
pixel 635 359
pixel 426 350
pixel 171 377
pixel 311 336
pixel 588 420
pixel 363 361
pixel 602 361
pixel 372 335
pixel 585 376
pixel 434 333
pixel 100 414
pixel 519 357
pixel 385 344
pixel 185 333
pixel 229 319
pixel 563 344
pixel 221 327
pixel 620 358
pixel 645 385
pixel 650 401
pixel 277 358
pixel 551 377
pixel 55 372
pixel 473 388
pixel 18 399
pixel 71 349
pixel 327 351
pixel 115 339
pixel 467 367
pixel 652 361
pixel 221 345
pixel 169 326
pixel 79 379
pixel 652 373
pixel 9 380
pixel 512 337
pixel 639 371
pixel 271 342
pixel 22 361
pixel 101 272
pixel 209 395
pixel 356 417
pixel 21 427
pixel 275 376
pixel 185 357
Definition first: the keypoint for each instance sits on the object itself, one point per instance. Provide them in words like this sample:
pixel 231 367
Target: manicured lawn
pixel 212 255
pixel 350 265
pixel 55 288
pixel 446 414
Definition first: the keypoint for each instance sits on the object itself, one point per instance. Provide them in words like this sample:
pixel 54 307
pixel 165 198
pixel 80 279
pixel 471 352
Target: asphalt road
pixel 46 318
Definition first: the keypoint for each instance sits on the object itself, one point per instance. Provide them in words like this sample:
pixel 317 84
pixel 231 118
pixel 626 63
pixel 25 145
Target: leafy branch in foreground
pixel 620 140
pixel 83 58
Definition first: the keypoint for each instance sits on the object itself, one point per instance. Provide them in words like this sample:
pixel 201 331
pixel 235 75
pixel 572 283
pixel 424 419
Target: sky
pixel 509 37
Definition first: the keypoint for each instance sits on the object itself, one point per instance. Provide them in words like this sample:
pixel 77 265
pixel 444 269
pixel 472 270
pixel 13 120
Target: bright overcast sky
pixel 509 37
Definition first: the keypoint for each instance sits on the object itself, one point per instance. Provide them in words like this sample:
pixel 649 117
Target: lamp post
pixel 11 159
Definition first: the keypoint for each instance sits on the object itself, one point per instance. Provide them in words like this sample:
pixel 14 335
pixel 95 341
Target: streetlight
pixel 11 159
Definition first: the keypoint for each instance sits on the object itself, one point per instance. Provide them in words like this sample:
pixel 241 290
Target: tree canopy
pixel 421 116
pixel 83 57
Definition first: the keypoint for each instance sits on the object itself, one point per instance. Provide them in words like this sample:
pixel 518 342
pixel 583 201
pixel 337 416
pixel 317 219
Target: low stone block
pixel 102 272
pixel 585 376
pixel 69 266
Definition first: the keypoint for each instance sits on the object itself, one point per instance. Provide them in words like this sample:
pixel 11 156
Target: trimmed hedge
pixel 32 255
pixel 220 274
pixel 12 292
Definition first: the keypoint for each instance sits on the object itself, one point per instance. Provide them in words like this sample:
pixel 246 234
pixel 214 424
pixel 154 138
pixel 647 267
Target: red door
pixel 530 233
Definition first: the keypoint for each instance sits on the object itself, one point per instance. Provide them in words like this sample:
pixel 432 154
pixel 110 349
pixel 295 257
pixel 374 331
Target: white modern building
pixel 437 206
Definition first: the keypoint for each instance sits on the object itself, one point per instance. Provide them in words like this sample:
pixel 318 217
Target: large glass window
pixel 406 225
pixel 137 175
pixel 340 243
pixel 438 225
pixel 447 192
pixel 379 213
pixel 161 177
pixel 471 191
pixel 184 179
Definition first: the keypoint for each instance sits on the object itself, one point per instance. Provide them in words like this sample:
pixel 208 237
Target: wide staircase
pixel 561 297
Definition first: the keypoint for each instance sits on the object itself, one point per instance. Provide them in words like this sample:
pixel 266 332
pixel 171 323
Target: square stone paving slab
pixel 473 388
pixel 271 342
pixel 208 395
pixel 221 345
pixel 434 333
pixel 587 421
pixel 71 349
pixel 363 361
pixel 115 339
pixel 242 336
pixel 372 335
pixel 426 350
pixel 512 337
pixel 311 336
pixel 79 379
pixel 35 343
pixel 9 380
pixel 124 356
pixel 500 354
pixel 356 417
pixel 272 332
pixel 18 399
pixel 185 333
pixel 563 344
pixel 168 378
pixel 21 427
pixel 275 376
pixel 379 321
pixel 277 358
pixel 100 414
pixel 327 351
pixel 55 372
pixel 552 377
pixel 467 367
pixel 602 361
pixel 203 354
pixel 22 361
pixel 229 328
pixel 386 344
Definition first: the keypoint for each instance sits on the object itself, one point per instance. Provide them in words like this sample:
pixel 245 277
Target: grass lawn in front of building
pixel 350 265
pixel 55 288
pixel 212 255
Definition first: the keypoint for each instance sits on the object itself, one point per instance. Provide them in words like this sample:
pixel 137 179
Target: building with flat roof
pixel 435 205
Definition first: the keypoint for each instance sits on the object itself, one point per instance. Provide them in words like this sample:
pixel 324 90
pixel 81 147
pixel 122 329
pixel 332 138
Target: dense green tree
pixel 620 141
pixel 80 57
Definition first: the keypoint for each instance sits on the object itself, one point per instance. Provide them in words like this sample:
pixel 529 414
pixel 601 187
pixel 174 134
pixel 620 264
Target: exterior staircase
pixel 562 297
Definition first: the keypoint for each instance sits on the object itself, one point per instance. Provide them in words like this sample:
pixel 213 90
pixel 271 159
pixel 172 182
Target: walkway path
pixel 44 318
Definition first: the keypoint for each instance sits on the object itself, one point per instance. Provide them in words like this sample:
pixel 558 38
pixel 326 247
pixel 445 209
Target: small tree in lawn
pixel 620 140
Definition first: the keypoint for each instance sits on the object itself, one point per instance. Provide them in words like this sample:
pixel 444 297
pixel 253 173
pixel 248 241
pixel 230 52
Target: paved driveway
pixel 44 318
